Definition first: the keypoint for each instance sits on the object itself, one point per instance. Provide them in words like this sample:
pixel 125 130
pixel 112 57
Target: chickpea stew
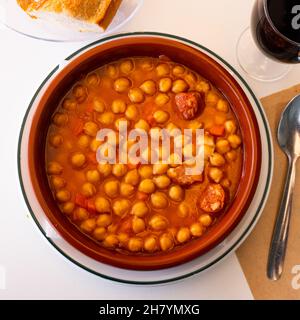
pixel 142 208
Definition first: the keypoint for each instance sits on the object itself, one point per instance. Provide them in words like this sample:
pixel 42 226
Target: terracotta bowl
pixel 115 49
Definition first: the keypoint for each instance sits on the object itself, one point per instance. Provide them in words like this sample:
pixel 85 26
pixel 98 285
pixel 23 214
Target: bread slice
pixel 83 15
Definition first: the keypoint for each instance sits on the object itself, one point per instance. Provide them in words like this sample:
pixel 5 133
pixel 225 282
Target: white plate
pixel 12 16
pixel 197 265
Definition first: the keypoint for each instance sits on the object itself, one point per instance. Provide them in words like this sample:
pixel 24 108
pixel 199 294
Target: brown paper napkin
pixel 254 252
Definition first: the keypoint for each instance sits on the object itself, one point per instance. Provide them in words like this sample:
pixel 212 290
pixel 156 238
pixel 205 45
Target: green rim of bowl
pixel 258 210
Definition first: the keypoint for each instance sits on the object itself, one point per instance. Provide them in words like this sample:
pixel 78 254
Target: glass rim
pixel 274 27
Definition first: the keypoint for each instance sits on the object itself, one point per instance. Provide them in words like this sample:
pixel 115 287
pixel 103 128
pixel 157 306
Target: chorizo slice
pixel 180 177
pixel 213 198
pixel 189 104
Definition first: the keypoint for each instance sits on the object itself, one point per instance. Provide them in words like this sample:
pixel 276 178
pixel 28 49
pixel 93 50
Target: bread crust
pixel 92 11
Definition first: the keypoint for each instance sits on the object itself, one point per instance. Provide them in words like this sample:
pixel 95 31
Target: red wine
pixel 275 27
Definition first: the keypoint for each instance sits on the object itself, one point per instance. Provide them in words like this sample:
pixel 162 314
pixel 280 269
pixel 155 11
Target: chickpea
pixel 174 160
pixel 230 126
pixel 159 200
pixel 99 105
pixel 162 99
pixel 99 233
pixel 123 238
pixel 102 205
pixel 208 151
pixel 60 119
pixel 148 87
pixel 78 159
pixel 178 70
pixel 217 160
pixel 146 171
pixel 171 173
pixel 179 86
pixel 143 125
pixel 131 112
pixel 111 188
pixel 126 66
pixel 158 222
pixel 160 168
pixel 183 210
pixel 166 242
pixel 88 189
pixel 147 64
pixel 68 207
pixel 104 220
pixel 95 144
pixel 90 128
pixel 80 93
pixel 118 106
pixel 171 127
pixel 119 169
pixel 161 116
pixel 126 190
pixel 69 104
pixel 56 140
pixel 122 85
pixel 139 209
pixel 189 151
pixel 195 124
pixel 215 174
pixel 112 71
pixel 222 146
pixel 196 229
pixel 205 220
pixel 165 84
pixel 222 106
pixel 212 98
pixel 162 69
pixel 105 169
pixel 135 244
pixel 202 86
pixel 83 141
pixel 132 177
pixel 111 241
pixel 162 181
pixel 226 183
pixel 146 186
pixel 88 225
pixel 150 244
pixel 54 168
pixel 63 195
pixel 121 207
pixel 231 155
pixel 234 141
pixel 81 214
pixel 58 182
pixel 176 193
pixel 124 121
pixel 92 79
pixel 106 118
pixel 138 225
pixel 136 95
pixel 191 79
pixel 183 235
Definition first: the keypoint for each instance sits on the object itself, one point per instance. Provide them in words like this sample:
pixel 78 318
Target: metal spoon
pixel 288 136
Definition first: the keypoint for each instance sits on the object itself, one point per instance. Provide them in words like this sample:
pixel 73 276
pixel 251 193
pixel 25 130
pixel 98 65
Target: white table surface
pixel 31 268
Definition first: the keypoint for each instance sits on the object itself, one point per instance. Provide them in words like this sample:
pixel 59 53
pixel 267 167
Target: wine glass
pixel 267 49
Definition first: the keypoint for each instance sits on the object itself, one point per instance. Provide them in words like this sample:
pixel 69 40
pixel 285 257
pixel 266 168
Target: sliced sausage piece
pixel 183 179
pixel 212 199
pixel 189 104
